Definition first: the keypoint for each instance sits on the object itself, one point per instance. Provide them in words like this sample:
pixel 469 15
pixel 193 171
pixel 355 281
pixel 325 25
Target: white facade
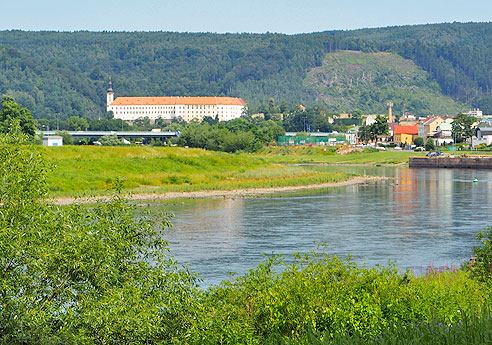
pixel 168 108
pixel 52 140
pixel 483 135
pixel 475 113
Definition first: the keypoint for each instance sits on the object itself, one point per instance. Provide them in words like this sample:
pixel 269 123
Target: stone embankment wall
pixel 463 162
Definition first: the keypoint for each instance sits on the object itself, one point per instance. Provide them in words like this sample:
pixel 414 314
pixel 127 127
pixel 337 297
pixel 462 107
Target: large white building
pixel 168 108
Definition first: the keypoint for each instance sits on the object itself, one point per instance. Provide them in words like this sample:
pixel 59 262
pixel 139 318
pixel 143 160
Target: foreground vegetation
pixel 96 275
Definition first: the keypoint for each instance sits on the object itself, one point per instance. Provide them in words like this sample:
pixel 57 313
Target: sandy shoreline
pixel 223 194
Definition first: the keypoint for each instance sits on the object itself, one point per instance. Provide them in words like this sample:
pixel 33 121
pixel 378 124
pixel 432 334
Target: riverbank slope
pixel 81 171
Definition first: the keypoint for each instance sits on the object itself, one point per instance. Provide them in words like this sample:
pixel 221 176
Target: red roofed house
pixel 188 108
pixel 428 127
pixel 405 134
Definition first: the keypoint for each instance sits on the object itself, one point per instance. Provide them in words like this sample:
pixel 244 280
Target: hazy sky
pixel 287 16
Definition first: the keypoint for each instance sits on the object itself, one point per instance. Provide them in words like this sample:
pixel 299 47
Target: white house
pixel 170 107
pixel 52 140
pixel 483 135
pixel 445 132
pixel 475 113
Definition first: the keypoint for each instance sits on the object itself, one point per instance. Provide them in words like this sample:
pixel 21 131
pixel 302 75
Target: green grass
pixel 79 170
pixel 317 155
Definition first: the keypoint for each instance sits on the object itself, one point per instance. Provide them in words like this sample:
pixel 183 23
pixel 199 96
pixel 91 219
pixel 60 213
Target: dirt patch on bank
pixel 224 194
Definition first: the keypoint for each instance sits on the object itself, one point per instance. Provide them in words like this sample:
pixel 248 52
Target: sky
pixel 258 16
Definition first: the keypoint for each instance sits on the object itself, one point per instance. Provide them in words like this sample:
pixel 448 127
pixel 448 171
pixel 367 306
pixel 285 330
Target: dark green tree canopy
pixel 12 111
pixel 372 131
pixel 462 127
pixel 66 73
pixel 429 145
pixel 75 123
pixel 418 141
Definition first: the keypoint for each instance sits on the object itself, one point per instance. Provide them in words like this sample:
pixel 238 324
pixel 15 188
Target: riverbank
pixel 80 171
pixel 323 155
pixel 224 194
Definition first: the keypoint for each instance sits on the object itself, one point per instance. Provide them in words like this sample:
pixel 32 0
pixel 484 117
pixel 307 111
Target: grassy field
pixel 92 170
pixel 318 155
pixel 79 170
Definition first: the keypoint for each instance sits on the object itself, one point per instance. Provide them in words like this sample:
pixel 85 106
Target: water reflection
pixel 423 216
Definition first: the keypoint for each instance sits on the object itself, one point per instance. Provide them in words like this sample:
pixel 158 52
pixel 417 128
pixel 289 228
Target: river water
pixel 422 217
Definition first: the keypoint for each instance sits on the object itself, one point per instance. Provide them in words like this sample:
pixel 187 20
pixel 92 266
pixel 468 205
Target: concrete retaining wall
pixel 462 162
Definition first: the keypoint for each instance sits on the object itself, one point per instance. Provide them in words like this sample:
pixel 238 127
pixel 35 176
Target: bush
pixel 482 266
pixel 334 297
pixel 67 138
pixel 110 140
pixel 82 275
pixel 418 141
pixel 429 145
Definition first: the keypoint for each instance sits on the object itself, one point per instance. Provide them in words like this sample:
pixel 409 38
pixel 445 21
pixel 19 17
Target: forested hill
pixel 63 74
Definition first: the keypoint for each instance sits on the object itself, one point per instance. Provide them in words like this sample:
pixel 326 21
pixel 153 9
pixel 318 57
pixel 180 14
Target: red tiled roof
pixel 178 100
pixel 414 130
pixel 144 101
pixel 431 119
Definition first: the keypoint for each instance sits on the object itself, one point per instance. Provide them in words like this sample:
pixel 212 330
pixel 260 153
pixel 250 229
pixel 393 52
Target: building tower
pixel 390 113
pixel 109 95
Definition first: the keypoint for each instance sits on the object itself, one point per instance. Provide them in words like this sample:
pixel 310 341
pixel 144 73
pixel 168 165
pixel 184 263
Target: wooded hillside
pixel 64 74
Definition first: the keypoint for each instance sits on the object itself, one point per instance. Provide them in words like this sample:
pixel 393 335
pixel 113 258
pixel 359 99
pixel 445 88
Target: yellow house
pixel 405 134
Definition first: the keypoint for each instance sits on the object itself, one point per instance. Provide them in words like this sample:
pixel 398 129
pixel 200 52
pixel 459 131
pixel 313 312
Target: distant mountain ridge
pixel 61 74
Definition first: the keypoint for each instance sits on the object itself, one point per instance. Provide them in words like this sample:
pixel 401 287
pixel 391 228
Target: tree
pixel 380 127
pixel 482 267
pixel 429 145
pixel 418 141
pixel 364 134
pixel 110 140
pixel 11 111
pixel 82 275
pixel 356 114
pixel 284 107
pixel 462 127
pixel 67 138
pixel 371 132
pixel 75 123
pixel 211 120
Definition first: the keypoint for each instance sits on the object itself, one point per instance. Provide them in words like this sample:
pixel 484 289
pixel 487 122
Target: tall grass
pixel 472 329
pixel 92 170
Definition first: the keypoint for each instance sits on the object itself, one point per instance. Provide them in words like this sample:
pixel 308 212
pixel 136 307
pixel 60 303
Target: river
pixel 422 217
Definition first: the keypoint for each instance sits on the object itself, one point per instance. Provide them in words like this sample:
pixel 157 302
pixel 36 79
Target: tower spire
pixel 109 95
pixel 110 86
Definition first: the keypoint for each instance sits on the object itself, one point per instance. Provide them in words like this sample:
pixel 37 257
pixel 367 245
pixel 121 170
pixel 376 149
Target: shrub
pixel 324 294
pixel 82 275
pixel 482 267
pixel 429 145
pixel 110 140
pixel 418 141
pixel 67 138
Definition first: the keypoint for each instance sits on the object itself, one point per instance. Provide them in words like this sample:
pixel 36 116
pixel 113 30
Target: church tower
pixel 109 95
